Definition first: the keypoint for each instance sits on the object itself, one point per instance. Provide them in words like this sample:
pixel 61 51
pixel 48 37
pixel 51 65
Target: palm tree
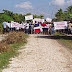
pixel 59 15
pixel 69 9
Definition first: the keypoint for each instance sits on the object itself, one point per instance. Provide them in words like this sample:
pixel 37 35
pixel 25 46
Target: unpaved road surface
pixel 41 55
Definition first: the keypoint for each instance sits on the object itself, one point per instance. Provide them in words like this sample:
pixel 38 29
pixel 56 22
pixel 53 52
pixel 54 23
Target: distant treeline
pixel 63 15
pixel 10 16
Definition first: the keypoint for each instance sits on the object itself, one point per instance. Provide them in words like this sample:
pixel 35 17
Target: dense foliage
pixel 63 15
pixel 15 16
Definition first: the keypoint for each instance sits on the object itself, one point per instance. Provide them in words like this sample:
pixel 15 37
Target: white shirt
pixel 9 25
pixel 27 26
pixel 4 24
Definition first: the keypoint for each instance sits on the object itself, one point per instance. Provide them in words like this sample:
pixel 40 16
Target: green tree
pixel 66 16
pixel 69 9
pixel 8 12
pixel 35 16
pixel 21 17
pixel 59 15
pixel 5 17
pixel 16 17
pixel 38 16
pixel 41 16
pixel 28 14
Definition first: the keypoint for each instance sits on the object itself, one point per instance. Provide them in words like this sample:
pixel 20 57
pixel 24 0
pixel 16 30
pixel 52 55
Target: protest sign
pixel 48 19
pixel 38 20
pixel 14 24
pixel 60 25
pixel 21 26
pixel 29 17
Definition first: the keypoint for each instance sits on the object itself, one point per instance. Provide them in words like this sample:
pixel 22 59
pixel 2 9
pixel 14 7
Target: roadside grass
pixel 64 40
pixel 4 59
pixel 14 46
pixel 67 43
pixel 58 34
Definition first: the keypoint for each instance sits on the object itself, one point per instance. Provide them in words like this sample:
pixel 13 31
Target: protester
pixel 24 24
pixel 8 26
pixel 52 29
pixel 71 29
pixel 27 28
pixel 49 30
pixel 4 27
pixel 45 28
pixel 40 27
pixel 37 28
pixel 32 28
pixel 36 24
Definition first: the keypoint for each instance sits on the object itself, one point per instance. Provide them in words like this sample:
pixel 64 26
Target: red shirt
pixel 44 24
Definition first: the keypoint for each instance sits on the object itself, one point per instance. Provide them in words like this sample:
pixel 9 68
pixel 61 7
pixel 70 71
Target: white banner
pixel 17 25
pixel 38 20
pixel 8 24
pixel 14 24
pixel 60 25
pixel 29 17
pixel 48 19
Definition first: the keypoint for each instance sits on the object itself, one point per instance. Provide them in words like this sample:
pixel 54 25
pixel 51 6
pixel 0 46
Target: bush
pixel 15 37
pixel 4 17
pixel 4 47
pixel 12 38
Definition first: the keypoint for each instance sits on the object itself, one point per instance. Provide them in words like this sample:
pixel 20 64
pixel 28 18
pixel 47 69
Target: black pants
pixel 27 31
pixel 4 30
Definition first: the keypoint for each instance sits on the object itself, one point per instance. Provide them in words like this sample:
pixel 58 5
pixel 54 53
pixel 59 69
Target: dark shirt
pixel 36 25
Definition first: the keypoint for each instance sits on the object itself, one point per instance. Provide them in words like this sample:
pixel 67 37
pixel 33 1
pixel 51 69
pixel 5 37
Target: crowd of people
pixel 29 27
pixel 35 28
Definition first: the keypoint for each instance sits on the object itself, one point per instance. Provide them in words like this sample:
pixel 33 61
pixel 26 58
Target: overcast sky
pixel 46 7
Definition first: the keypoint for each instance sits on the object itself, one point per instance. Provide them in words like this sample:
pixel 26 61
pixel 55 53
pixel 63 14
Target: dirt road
pixel 41 55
